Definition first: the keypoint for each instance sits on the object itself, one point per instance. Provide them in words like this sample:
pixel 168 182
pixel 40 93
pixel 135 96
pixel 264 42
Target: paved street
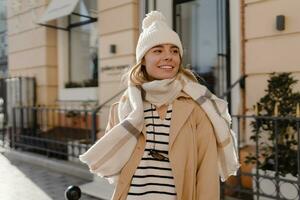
pixel 24 181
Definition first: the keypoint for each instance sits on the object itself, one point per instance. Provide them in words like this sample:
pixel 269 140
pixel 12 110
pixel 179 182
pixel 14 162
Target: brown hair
pixel 137 74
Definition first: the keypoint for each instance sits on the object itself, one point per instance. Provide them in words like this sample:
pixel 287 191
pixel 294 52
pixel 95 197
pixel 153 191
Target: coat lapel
pixel 144 131
pixel 181 111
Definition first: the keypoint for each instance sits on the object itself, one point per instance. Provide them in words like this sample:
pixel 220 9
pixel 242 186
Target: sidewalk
pixel 26 181
pixel 23 180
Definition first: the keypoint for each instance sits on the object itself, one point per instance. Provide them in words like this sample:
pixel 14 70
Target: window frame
pixel 64 57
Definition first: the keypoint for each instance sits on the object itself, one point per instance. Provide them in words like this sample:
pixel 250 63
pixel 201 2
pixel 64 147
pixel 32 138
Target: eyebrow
pixel 161 46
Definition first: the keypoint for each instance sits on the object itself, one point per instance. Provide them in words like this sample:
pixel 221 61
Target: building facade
pixel 3 39
pixel 80 54
pixel 78 50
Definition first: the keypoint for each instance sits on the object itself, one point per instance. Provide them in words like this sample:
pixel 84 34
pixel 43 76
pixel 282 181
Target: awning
pixel 57 9
pixel 61 8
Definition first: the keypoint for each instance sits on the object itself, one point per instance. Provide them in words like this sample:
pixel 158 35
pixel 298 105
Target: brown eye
pixel 157 51
pixel 175 51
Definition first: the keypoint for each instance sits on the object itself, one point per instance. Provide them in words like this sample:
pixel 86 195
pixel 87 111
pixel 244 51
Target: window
pixel 203 26
pixel 83 49
pixel 3 39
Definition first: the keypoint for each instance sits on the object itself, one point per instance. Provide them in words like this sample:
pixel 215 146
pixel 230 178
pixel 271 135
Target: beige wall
pixel 118 26
pixel 32 48
pixel 34 51
pixel 268 50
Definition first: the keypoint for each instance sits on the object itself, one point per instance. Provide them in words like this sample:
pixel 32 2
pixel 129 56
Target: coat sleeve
pixel 208 185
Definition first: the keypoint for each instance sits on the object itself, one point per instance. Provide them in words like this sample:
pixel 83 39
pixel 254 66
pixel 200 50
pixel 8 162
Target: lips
pixel 166 67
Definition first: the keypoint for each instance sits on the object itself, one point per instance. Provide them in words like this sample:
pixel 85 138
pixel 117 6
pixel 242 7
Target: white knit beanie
pixel 155 32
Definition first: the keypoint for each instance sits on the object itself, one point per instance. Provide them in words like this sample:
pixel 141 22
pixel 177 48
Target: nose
pixel 167 56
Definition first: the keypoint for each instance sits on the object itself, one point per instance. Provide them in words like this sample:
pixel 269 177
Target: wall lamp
pixel 113 48
pixel 280 22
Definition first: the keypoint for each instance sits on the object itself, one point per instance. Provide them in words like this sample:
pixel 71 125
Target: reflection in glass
pixel 201 26
pixel 84 45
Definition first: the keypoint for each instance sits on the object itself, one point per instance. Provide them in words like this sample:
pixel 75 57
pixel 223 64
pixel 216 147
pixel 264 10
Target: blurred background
pixel 61 62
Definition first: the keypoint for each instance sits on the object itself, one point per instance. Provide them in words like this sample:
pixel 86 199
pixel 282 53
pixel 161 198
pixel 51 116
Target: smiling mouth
pixel 166 67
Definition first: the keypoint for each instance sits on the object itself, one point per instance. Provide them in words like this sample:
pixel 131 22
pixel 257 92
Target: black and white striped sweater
pixel 153 178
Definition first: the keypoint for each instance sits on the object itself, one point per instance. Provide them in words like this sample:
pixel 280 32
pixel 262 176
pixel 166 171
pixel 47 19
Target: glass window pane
pixel 84 47
pixel 201 26
pixel 3 39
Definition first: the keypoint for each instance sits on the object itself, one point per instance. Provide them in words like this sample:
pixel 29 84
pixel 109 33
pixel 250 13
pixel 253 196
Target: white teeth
pixel 166 67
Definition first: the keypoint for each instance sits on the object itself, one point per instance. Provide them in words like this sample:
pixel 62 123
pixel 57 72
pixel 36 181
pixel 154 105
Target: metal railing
pixel 273 159
pixel 55 132
pixel 62 132
pixel 240 81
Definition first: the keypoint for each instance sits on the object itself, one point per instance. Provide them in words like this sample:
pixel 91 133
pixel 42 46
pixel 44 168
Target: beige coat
pixel 192 153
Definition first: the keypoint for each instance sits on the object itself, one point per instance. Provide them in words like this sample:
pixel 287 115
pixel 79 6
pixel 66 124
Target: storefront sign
pixel 114 70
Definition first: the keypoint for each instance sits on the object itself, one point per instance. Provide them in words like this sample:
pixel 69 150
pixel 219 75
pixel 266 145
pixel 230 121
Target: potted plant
pixel 276 137
pixel 80 84
pixel 90 83
pixel 72 84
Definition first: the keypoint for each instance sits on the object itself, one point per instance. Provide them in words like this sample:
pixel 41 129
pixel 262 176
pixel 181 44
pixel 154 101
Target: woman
pixel 168 137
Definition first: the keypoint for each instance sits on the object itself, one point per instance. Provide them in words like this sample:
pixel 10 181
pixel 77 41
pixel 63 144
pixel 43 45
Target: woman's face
pixel 162 61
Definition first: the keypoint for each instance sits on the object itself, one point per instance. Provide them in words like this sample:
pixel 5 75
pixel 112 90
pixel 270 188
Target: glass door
pixel 203 26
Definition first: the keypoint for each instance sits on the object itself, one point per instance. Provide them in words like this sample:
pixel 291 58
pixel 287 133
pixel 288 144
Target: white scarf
pixel 161 92
pixel 109 154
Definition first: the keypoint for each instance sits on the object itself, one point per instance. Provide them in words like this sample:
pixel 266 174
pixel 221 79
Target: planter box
pixel 268 186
